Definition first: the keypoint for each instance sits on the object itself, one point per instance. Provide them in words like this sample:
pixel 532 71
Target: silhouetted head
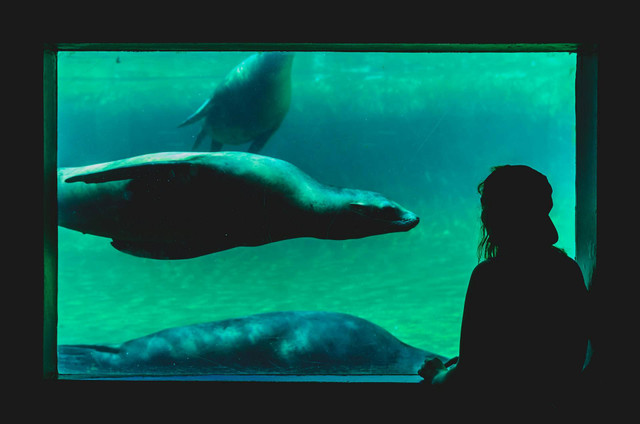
pixel 361 213
pixel 516 201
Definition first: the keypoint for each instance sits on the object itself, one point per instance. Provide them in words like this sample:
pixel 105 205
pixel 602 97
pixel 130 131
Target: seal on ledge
pixel 290 342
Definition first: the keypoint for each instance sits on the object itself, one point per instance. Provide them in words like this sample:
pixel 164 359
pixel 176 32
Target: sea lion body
pixel 292 342
pixel 249 104
pixel 183 205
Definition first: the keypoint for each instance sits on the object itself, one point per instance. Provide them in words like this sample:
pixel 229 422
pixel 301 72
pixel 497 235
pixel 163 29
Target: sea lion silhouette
pixel 183 205
pixel 249 104
pixel 291 342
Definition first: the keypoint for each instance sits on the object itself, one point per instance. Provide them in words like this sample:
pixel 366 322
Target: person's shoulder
pixel 563 260
pixel 486 279
pixel 488 265
pixel 486 268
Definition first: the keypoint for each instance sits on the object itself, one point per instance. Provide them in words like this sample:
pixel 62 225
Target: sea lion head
pixel 366 213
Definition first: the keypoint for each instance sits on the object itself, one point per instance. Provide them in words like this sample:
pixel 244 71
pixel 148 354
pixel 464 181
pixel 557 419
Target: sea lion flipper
pixel 145 170
pixel 199 138
pixel 216 146
pixel 141 249
pixel 198 114
pixel 158 250
pixel 259 142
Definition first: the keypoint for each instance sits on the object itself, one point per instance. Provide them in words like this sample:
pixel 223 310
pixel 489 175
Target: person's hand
pixel 431 368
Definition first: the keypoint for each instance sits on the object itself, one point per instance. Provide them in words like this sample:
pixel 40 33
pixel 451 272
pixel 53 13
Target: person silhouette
pixel 523 337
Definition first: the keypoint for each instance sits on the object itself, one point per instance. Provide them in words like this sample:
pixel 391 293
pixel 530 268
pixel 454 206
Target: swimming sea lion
pixel 183 205
pixel 276 342
pixel 249 104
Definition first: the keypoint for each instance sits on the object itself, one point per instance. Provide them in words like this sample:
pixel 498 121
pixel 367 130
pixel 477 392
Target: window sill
pixel 256 378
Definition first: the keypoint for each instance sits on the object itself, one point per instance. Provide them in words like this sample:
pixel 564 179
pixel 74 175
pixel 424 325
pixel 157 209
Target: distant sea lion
pixel 249 104
pixel 183 205
pixel 276 342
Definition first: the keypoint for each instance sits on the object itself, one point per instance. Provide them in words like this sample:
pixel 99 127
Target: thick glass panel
pixel 423 129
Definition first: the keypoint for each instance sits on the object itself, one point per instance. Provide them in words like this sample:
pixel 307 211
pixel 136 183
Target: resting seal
pixel 249 104
pixel 183 205
pixel 276 342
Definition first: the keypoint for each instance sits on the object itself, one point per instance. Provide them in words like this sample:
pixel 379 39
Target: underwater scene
pixel 369 162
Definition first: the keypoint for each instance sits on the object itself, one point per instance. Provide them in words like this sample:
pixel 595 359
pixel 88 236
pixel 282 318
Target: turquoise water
pixel 421 128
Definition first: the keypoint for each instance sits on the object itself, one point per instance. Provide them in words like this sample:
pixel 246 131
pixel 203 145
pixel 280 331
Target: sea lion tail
pixel 80 359
pixel 197 115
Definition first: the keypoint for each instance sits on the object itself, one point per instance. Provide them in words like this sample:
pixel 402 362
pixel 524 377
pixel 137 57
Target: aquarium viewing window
pixel 421 125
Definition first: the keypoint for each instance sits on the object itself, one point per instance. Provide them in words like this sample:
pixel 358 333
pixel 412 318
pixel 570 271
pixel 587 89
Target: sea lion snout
pixel 370 214
pixel 408 221
pixel 377 207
